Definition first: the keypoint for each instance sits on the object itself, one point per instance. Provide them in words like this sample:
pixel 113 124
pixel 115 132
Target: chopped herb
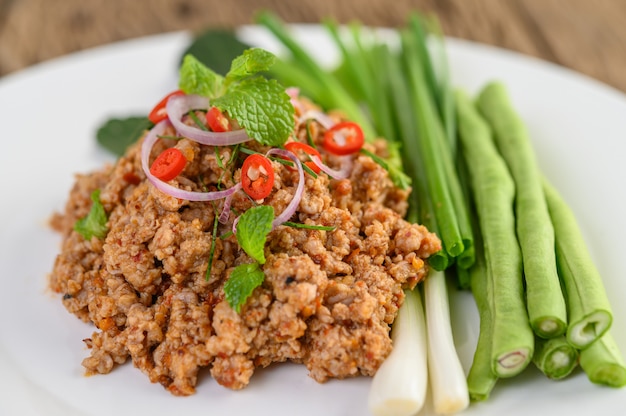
pixel 196 120
pixel 94 224
pixel 252 229
pixel 166 137
pixel 226 235
pixel 309 226
pixel 309 135
pixel 218 158
pixel 396 174
pixel 213 241
pixel 241 283
pixel 117 134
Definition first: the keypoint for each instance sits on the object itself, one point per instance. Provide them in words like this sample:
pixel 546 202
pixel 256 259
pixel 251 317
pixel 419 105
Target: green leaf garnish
pixel 95 222
pixel 251 62
pixel 241 283
pixel 197 78
pixel 216 48
pixel 117 134
pixel 260 106
pixel 252 229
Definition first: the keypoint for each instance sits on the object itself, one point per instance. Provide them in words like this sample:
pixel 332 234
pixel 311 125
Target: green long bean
pixel 493 192
pixel 555 357
pixel 603 362
pixel 546 305
pixel 481 379
pixel 590 314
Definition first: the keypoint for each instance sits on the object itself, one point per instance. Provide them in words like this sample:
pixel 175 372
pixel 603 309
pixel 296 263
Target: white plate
pixel 49 114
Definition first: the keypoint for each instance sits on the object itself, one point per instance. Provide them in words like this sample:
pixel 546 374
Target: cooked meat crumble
pixel 327 300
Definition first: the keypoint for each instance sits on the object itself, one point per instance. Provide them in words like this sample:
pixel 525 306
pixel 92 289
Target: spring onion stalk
pixel 544 298
pixel 429 151
pixel 603 362
pixel 555 357
pixel 434 114
pixel 493 192
pixel 589 310
pixel 447 379
pixel 400 102
pixel 399 386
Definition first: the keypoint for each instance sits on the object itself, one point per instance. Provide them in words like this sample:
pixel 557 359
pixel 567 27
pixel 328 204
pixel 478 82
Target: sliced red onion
pixel 146 148
pixel 297 196
pixel 179 105
pixel 227 202
pixel 342 173
pixel 293 93
pixel 318 116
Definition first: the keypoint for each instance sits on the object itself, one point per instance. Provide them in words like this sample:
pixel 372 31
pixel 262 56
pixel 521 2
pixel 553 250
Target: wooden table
pixel 586 35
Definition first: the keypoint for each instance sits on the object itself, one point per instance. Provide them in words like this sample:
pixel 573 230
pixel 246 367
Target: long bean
pixel 555 357
pixel 545 302
pixel 603 362
pixel 589 310
pixel 494 193
pixel 481 379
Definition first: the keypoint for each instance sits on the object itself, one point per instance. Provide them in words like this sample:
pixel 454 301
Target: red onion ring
pixel 342 173
pixel 293 93
pixel 223 218
pixel 179 105
pixel 297 196
pixel 318 116
pixel 146 148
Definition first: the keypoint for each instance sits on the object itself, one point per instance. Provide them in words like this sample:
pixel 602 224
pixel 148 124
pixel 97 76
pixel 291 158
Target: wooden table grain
pixel 584 35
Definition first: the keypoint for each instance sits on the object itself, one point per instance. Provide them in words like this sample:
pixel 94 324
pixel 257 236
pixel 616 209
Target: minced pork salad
pixel 245 227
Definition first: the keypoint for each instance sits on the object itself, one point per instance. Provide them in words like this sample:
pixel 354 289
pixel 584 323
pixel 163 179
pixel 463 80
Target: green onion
pixel 447 379
pixel 399 385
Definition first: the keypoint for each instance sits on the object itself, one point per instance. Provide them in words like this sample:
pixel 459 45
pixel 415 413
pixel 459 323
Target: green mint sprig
pixel 252 229
pixel 241 283
pixel 261 106
pixel 95 222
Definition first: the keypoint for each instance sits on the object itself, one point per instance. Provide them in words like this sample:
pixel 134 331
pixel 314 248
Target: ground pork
pixel 327 300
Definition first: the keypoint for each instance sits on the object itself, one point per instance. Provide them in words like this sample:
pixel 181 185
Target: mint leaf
pixel 251 62
pixel 260 106
pixel 95 222
pixel 196 78
pixel 241 283
pixel 252 229
pixel 216 48
pixel 116 135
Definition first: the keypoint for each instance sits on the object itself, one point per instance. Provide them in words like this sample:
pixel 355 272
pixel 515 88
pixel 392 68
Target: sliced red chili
pixel 169 164
pixel 343 138
pixel 159 112
pixel 295 147
pixel 217 121
pixel 257 176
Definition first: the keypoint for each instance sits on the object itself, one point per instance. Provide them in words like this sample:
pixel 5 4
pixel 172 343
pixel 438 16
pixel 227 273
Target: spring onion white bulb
pixel 447 379
pixel 399 386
